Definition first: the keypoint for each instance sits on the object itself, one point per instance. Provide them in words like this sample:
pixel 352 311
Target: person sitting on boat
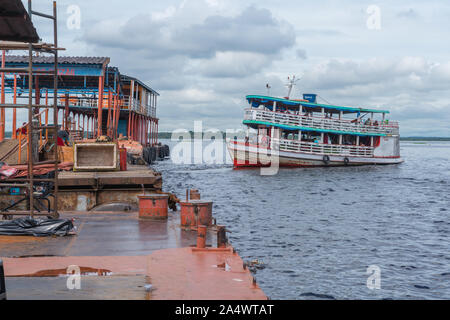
pixel 376 123
pixel 63 138
pixel 368 122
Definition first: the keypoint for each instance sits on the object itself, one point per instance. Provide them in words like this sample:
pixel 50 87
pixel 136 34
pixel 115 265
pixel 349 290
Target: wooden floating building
pixel 94 99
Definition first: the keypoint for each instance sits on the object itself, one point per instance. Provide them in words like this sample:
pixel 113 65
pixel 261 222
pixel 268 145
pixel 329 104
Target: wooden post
pixel 100 106
pixel 36 138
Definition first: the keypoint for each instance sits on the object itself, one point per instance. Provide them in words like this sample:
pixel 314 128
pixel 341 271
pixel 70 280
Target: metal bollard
pixel 2 282
pixel 201 237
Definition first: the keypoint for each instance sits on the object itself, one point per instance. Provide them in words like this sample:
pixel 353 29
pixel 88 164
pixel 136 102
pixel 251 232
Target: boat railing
pixel 323 149
pixel 138 107
pixel 341 125
pixel 135 105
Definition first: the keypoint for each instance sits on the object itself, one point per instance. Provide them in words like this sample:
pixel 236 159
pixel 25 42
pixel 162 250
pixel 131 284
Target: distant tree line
pixel 168 135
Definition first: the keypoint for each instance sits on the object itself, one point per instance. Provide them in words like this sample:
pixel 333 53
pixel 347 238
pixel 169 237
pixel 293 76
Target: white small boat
pixel 304 133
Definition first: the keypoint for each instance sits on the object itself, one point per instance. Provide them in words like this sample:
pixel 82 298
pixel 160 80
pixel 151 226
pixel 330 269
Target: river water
pixel 317 230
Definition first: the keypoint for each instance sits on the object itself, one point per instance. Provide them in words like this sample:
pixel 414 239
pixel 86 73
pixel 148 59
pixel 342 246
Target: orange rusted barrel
pixel 196 212
pixel 194 194
pixel 153 206
pixel 123 159
pixel 201 236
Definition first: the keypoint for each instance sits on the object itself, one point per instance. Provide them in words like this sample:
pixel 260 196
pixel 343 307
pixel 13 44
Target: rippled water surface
pixel 317 230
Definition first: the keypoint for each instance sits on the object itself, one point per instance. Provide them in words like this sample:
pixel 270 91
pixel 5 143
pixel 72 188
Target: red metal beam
pixel 100 105
pixel 2 100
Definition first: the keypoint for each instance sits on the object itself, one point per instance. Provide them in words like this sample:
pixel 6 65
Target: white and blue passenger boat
pixel 304 133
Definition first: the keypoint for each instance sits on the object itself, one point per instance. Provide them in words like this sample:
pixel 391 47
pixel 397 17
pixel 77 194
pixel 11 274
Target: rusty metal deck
pixel 122 245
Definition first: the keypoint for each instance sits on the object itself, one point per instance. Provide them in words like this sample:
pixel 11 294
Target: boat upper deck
pixel 306 116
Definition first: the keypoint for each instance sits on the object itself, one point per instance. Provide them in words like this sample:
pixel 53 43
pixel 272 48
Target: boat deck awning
pixel 256 100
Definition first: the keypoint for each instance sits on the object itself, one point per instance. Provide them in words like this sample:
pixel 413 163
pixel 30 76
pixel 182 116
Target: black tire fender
pixel 326 159
pixel 346 161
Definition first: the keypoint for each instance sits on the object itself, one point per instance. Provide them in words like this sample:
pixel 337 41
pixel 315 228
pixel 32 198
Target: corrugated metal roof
pixel 126 78
pixel 15 23
pixel 61 60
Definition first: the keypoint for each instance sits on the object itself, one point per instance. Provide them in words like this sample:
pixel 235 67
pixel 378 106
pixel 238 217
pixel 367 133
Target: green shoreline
pixel 168 135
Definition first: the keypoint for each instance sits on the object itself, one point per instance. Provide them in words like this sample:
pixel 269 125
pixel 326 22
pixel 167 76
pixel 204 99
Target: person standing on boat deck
pixel 63 138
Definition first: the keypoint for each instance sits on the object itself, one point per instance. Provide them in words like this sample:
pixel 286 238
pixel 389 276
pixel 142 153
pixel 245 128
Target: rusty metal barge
pixel 88 167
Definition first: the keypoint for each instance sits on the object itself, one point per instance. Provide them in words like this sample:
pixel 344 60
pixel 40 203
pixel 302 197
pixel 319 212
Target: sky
pixel 205 56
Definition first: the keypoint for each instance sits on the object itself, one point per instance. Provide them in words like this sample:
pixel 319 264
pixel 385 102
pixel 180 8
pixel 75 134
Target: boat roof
pixel 290 103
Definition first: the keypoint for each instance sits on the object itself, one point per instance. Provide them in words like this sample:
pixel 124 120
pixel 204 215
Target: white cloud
pixel 168 13
pixel 205 55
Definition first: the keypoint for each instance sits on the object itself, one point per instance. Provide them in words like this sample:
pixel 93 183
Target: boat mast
pixel 291 83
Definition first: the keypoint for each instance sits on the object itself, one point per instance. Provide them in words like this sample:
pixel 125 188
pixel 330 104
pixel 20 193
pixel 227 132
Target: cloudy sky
pixel 204 56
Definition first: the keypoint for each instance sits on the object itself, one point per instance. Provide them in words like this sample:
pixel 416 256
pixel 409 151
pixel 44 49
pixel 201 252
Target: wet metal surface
pixel 105 234
pixel 129 254
pixel 92 288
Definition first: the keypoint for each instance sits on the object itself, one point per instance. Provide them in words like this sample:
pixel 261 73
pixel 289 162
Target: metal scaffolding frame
pixel 30 181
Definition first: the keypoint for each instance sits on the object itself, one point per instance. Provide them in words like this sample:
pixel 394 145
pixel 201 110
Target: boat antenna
pixel 268 87
pixel 291 83
pixel 323 99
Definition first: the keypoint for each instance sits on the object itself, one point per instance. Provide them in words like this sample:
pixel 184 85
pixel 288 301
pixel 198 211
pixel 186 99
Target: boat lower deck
pixel 244 155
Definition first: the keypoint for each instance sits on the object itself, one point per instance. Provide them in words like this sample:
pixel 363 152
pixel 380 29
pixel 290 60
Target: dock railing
pixel 343 125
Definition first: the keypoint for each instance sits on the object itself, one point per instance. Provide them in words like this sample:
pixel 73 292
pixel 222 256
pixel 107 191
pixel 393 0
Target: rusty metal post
pixel 100 105
pixel 2 101
pixel 222 240
pixel 194 194
pixel 66 112
pixel 14 124
pixel 108 121
pixel 37 97
pixel 201 236
pixel 30 126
